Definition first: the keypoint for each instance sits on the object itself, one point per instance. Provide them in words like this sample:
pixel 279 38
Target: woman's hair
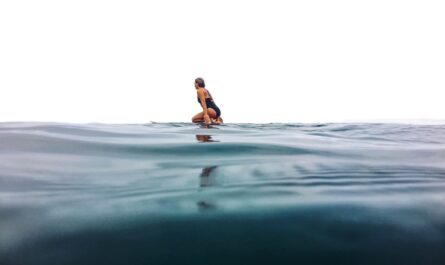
pixel 200 82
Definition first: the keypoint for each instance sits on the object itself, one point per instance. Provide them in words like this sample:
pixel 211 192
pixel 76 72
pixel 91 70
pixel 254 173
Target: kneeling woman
pixel 211 112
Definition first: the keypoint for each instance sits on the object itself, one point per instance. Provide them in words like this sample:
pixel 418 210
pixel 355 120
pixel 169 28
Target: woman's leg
pixel 200 116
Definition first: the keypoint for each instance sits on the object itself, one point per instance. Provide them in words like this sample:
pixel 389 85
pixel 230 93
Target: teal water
pixel 177 193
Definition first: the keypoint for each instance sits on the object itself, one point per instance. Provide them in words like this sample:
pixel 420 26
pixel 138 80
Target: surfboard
pixel 209 125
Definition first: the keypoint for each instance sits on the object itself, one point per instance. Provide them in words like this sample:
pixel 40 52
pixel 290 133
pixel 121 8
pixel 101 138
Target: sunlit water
pixel 177 193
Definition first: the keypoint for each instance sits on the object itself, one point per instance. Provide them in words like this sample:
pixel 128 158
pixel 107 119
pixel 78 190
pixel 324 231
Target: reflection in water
pixel 204 206
pixel 204 138
pixel 207 176
pixel 206 179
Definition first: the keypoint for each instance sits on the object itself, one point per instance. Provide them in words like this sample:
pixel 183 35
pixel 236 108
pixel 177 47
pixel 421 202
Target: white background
pixel 263 61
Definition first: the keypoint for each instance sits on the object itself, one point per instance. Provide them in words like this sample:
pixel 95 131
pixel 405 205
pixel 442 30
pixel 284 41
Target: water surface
pixel 178 193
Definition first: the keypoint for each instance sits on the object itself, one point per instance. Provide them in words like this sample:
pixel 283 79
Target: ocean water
pixel 179 193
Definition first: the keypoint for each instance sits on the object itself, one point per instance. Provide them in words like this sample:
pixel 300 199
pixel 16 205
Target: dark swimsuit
pixel 211 104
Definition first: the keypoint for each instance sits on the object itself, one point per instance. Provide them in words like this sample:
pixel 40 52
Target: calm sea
pixel 177 193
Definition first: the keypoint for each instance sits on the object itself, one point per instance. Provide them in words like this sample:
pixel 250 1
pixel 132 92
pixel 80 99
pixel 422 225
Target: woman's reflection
pixel 204 138
pixel 207 179
pixel 207 176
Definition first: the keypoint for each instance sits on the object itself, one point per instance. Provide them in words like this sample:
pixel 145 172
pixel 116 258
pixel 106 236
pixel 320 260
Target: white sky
pixel 263 61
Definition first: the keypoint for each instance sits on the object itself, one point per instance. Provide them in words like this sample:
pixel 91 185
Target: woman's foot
pixel 217 120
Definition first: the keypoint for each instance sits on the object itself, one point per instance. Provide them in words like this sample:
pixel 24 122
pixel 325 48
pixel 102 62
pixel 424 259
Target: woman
pixel 211 112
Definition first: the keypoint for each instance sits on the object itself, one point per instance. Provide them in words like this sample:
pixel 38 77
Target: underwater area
pixel 181 193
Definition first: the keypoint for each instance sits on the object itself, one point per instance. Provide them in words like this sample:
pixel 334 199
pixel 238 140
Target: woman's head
pixel 199 82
